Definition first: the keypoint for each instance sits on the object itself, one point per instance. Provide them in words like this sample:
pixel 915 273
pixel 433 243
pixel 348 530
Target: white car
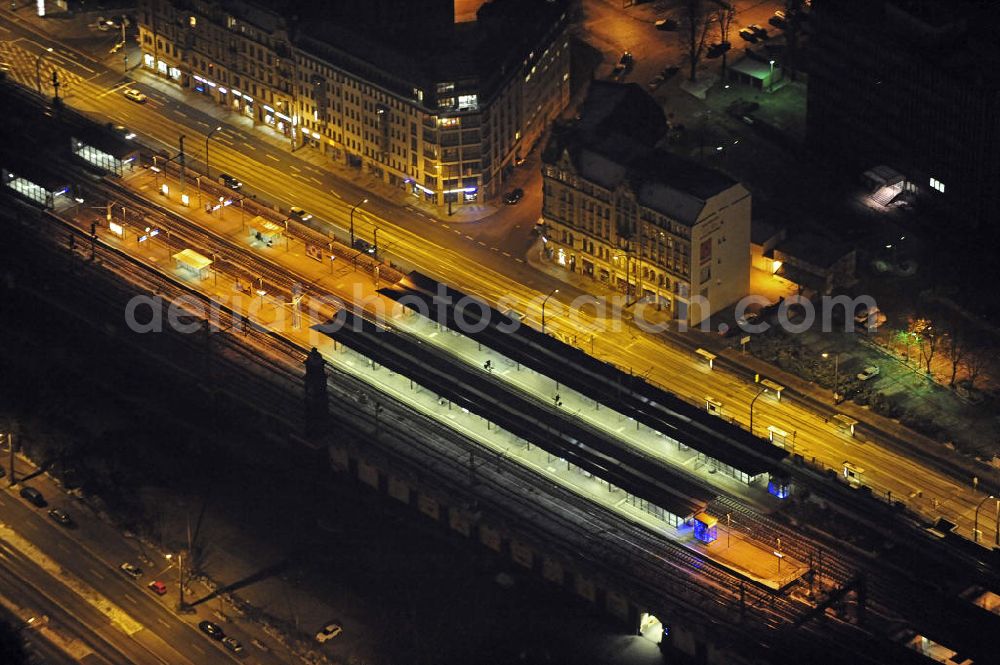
pixel 135 95
pixel 868 373
pixel 133 571
pixel 329 631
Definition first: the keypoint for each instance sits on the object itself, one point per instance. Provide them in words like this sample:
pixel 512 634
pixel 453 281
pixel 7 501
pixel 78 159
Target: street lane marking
pixel 468 236
pixel 162 622
pixel 269 155
pixel 519 260
pixel 336 194
pixel 316 180
pixel 128 597
pixel 120 86
pixel 482 243
pixel 507 254
pixel 197 648
pixel 248 145
pixel 96 573
pixel 180 113
pixel 294 168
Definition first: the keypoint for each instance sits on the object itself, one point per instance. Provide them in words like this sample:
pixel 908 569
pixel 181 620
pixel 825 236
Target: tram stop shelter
pixel 193 262
pixel 101 147
pixel 35 183
pixel 265 231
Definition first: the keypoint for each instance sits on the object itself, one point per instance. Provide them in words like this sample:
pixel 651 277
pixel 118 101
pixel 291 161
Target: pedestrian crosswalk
pixel 35 71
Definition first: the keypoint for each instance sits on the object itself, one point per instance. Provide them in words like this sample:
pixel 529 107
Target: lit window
pixel 443 88
pixel 192 21
pixel 937 184
pixel 449 122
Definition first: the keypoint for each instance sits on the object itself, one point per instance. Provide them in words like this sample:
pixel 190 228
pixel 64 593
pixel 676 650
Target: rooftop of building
pixel 613 141
pixel 820 250
pixel 430 45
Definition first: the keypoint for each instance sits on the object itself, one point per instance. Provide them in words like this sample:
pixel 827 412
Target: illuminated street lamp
pixel 551 293
pixel 38 69
pixel 770 78
pixel 355 207
pixel 208 169
pixel 975 526
pixel 180 579
pixel 759 393
pixel 836 375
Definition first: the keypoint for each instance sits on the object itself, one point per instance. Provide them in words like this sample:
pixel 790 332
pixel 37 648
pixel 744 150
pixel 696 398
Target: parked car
pixel 135 95
pixel 33 496
pixel 300 214
pixel 868 372
pixel 624 64
pixel 133 571
pixel 211 629
pixel 759 32
pixel 748 35
pixel 655 82
pixel 778 20
pixel 105 24
pixel 233 645
pixel 329 631
pixel 669 72
pixel 716 50
pixel 666 24
pixel 513 196
pixel 157 587
pixel 229 181
pixel 61 517
pixel 363 246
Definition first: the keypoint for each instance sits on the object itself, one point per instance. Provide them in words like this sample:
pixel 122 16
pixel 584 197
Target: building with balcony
pixel 444 105
pixel 638 219
pixel 913 85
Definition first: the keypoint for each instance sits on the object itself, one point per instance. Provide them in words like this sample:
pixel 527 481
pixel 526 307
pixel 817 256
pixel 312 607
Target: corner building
pixel 444 105
pixel 641 220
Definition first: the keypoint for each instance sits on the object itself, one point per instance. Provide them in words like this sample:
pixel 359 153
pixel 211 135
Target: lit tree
pixel 928 339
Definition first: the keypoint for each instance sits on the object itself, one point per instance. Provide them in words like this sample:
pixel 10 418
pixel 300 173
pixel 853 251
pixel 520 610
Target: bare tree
pixel 928 339
pixel 794 16
pixel 956 343
pixel 725 14
pixel 695 18
pixel 979 360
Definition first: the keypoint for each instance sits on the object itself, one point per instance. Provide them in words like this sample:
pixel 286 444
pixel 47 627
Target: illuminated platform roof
pixel 605 383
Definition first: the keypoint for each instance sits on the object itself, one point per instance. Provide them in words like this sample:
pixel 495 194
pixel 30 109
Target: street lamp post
pixel 770 78
pixel 355 207
pixel 38 69
pixel 551 293
pixel 375 243
pixel 208 169
pixel 975 524
pixel 836 375
pixel 180 579
pixel 759 393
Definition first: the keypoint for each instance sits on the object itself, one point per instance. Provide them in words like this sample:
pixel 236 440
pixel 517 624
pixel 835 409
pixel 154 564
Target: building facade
pixel 914 85
pixel 448 127
pixel 640 220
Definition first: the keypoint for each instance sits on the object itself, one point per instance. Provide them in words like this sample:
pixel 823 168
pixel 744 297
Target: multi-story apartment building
pixel 445 113
pixel 915 85
pixel 641 220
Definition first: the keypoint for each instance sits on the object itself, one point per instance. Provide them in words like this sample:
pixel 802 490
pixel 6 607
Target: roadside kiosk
pixel 853 473
pixel 706 527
